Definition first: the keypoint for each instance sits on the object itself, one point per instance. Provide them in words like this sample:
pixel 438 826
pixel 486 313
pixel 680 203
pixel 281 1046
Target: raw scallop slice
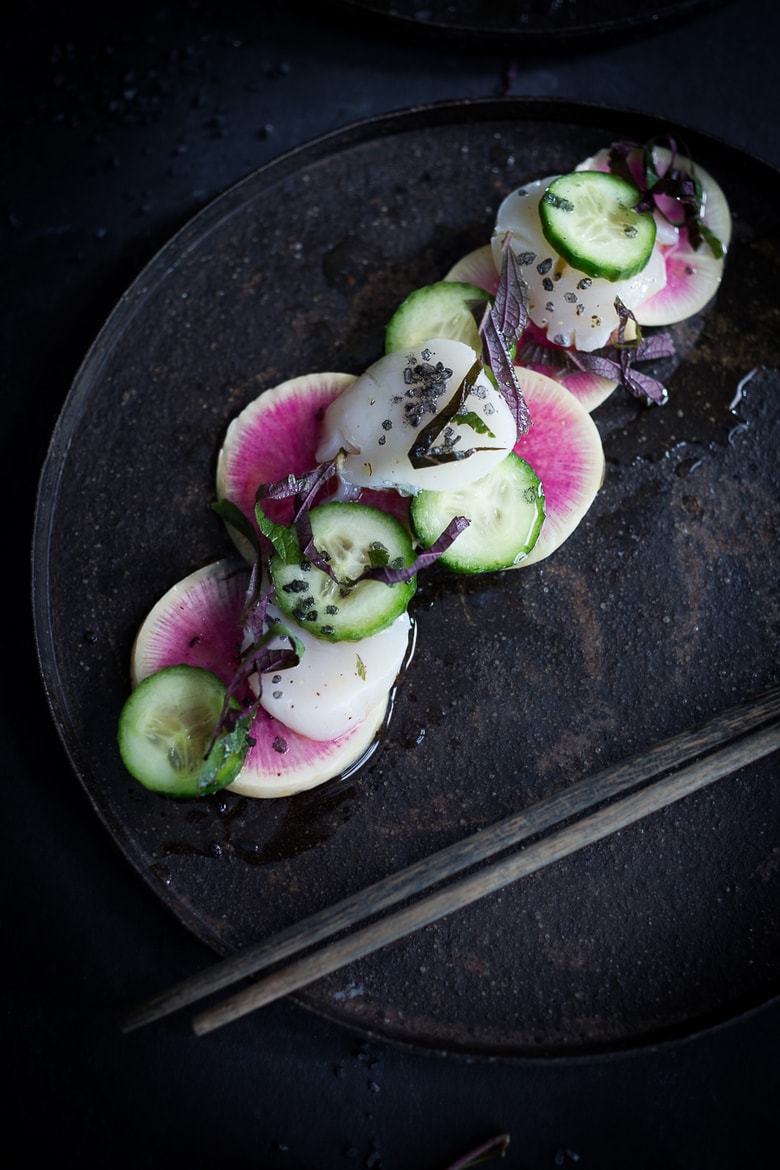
pixel 382 417
pixel 336 684
pixel 573 308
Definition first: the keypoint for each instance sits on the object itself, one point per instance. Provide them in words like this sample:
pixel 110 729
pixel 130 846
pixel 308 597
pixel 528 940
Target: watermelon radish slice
pixel 197 622
pixel 692 275
pixel 282 763
pixel 276 435
pixel 564 448
pixel 478 268
pixel 590 390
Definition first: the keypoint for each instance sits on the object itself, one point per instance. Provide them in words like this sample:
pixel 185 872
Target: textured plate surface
pixel 660 610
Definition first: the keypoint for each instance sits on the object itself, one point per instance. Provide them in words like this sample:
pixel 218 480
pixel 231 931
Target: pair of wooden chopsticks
pixel 604 803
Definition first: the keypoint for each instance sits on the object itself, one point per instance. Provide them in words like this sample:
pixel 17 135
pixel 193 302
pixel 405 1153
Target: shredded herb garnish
pixel 425 452
pixel 502 326
pixel 258 658
pixel 617 361
pixel 674 182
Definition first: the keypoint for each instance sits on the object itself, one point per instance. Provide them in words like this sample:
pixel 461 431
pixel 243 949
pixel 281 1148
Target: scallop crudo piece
pixel 564 448
pixel 478 267
pixel 572 308
pixel 336 684
pixel 692 274
pixel 389 411
pixel 340 705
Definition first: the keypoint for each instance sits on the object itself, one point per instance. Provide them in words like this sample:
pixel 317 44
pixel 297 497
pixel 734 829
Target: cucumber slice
pixel 588 217
pixel 351 537
pixel 505 509
pixel 166 727
pixel 445 309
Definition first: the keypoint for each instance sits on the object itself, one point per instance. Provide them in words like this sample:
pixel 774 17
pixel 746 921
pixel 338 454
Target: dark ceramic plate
pixel 535 22
pixel 660 610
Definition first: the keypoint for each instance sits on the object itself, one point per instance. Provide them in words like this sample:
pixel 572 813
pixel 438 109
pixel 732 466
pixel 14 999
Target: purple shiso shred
pixel 503 323
pixel 674 183
pixel 617 361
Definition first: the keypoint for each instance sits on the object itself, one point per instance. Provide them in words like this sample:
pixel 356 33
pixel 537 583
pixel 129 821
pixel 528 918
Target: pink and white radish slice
pixel 281 763
pixel 274 436
pixel 564 448
pixel 692 275
pixel 478 267
pixel 316 719
pixel 377 419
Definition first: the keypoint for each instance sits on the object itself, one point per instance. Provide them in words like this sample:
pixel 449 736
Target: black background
pixel 118 125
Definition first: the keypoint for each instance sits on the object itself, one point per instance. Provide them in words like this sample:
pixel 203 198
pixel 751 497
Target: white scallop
pixel 335 684
pixel 574 309
pixel 377 419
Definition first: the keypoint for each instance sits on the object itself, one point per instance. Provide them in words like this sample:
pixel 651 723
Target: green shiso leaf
pixel 471 419
pixel 234 516
pixel 283 537
pixel 425 452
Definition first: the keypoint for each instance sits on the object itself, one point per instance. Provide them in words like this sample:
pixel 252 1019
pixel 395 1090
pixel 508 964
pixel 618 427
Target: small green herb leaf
pixel 234 516
pixel 471 419
pixel 283 538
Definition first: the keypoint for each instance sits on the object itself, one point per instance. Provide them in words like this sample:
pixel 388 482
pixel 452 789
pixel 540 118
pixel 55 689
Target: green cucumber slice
pixel 352 537
pixel 446 309
pixel 505 509
pixel 589 218
pixel 165 729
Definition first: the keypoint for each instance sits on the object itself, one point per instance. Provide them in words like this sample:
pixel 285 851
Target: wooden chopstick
pixel 395 926
pixel 582 797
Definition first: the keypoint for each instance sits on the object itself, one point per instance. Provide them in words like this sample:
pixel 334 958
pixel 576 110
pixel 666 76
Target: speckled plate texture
pixel 659 611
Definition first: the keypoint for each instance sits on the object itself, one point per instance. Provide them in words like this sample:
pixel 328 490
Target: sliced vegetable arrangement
pixel 469 441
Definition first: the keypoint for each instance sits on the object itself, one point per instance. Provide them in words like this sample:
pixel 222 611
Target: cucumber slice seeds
pixel 166 727
pixel 505 510
pixel 444 309
pixel 351 537
pixel 589 218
